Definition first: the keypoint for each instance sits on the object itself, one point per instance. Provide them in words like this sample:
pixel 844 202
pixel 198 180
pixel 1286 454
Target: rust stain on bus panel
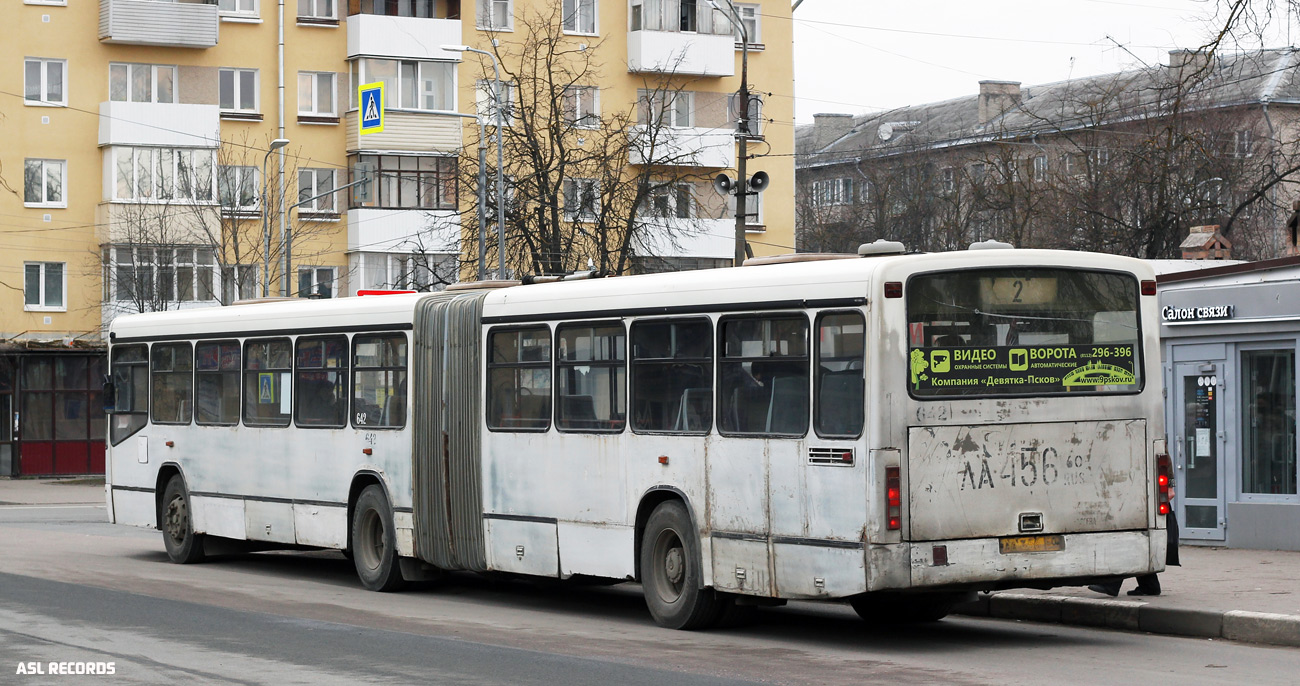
pixel 975 481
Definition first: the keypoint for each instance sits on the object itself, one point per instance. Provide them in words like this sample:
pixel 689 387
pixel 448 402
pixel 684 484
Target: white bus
pixel 894 430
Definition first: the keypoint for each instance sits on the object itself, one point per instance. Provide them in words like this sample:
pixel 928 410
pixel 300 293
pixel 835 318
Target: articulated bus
pixel 894 430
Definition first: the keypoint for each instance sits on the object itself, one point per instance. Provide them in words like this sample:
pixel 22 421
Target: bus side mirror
pixel 108 395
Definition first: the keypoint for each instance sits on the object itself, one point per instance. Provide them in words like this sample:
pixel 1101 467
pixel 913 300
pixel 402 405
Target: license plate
pixel 1030 544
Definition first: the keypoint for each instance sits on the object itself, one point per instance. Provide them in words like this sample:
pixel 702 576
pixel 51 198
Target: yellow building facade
pixel 135 132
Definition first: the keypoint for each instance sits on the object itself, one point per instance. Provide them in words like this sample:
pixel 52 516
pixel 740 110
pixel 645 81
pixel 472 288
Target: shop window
pixel 1268 456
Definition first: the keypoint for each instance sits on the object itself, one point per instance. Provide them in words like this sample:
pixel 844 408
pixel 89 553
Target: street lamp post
pixel 501 206
pixel 742 129
pixel 266 217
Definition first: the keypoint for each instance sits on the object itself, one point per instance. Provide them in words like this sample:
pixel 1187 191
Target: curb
pixel 1128 615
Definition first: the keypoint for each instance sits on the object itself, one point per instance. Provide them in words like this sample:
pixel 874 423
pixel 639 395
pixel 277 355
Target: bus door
pixel 1198 448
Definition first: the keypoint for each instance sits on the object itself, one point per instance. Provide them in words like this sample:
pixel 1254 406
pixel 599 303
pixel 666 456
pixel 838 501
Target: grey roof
pixel 1255 77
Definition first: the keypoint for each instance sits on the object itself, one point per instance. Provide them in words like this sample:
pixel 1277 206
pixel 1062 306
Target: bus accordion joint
pixel 1164 476
pixel 893 499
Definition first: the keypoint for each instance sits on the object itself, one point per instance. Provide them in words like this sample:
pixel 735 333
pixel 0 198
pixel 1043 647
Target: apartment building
pixel 169 154
pixel 1123 163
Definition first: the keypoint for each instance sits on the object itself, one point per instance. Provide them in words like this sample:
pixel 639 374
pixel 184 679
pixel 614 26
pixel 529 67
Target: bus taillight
pixel 1164 479
pixel 894 499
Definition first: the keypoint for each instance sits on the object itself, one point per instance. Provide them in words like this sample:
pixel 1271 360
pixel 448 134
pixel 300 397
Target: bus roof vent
pixel 991 244
pixel 881 247
pixel 481 285
pixel 795 257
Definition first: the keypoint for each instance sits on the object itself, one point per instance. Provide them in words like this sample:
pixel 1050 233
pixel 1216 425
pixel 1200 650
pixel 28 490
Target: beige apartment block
pixel 138 170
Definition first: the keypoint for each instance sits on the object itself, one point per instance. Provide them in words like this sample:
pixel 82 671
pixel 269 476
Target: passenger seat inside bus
pixel 693 410
pixel 787 413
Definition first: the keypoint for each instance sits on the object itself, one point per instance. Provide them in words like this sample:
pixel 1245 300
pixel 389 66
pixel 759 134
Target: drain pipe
pixel 284 219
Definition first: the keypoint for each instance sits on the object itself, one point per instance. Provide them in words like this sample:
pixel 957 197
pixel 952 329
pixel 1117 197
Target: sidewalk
pixel 1242 595
pixel 80 491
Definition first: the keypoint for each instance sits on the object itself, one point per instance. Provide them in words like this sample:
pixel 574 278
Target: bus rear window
pixel 1022 331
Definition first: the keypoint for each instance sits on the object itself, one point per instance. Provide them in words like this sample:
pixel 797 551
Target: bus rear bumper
pixel 981 564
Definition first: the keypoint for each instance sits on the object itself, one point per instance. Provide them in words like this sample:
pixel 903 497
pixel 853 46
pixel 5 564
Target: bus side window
pixel 672 376
pixel 519 379
pixel 216 379
pixel 838 409
pixel 172 384
pixel 268 370
pixel 591 378
pixel 321 382
pixel 763 375
pixel 131 384
pixel 379 381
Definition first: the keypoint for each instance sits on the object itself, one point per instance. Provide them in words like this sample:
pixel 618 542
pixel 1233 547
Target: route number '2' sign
pixel 371 97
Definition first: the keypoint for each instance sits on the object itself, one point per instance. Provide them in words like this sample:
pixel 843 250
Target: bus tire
pixel 177 524
pixel 671 576
pixel 886 609
pixel 374 541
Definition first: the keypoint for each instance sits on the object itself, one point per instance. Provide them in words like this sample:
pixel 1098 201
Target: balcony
pixel 673 52
pixel 407 130
pixel 375 230
pixel 699 237
pixel 181 24
pixel 697 147
pixel 372 35
pixel 162 124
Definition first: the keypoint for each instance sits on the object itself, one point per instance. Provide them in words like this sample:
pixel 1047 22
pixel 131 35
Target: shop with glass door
pixel 51 414
pixel 1229 339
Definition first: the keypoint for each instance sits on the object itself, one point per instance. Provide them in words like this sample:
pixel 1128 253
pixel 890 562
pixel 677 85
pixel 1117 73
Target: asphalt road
pixel 74 589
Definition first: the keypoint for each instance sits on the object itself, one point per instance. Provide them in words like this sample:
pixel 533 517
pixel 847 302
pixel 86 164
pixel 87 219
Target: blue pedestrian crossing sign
pixel 371 97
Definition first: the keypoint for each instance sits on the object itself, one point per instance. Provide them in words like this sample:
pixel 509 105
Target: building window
pixel 753 209
pixel 238 282
pixel 495 15
pixel 316 282
pixel 142 83
pixel 580 16
pixel 44 284
pixel 163 174
pixel 316 93
pixel 171 383
pixel 155 276
pixel 755 118
pixel 581 200
pixel 673 109
pixel 978 172
pixel 317 184
pixel 763 375
pixel 829 192
pixel 316 9
pixel 43 81
pixel 237 189
pixel 697 16
pixel 1040 168
pixel 1268 393
pixel 1242 143
pixel 484 102
pixel 237 7
pixel 238 90
pixel 379 381
pixel 408 84
pixel 591 378
pixel 43 183
pixel 399 8
pixel 410 182
pixel 519 379
pixel 1099 158
pixel 404 271
pixel 674 200
pixel 581 106
pixel 749 17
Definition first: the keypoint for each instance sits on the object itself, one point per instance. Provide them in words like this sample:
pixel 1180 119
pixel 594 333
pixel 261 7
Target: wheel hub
pixel 674 570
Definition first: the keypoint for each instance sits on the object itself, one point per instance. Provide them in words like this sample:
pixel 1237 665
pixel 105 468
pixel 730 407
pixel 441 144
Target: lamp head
pixel 279 143
pixel 455 48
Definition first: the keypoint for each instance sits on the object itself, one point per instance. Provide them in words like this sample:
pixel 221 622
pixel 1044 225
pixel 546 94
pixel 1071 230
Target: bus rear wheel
pixel 374 541
pixel 671 574
pixel 177 524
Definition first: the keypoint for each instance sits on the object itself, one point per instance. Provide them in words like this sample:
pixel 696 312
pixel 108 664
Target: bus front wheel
pixel 177 524
pixel 374 543
pixel 670 571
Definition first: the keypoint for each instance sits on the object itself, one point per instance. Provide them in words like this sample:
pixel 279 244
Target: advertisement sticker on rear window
pixel 1046 368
